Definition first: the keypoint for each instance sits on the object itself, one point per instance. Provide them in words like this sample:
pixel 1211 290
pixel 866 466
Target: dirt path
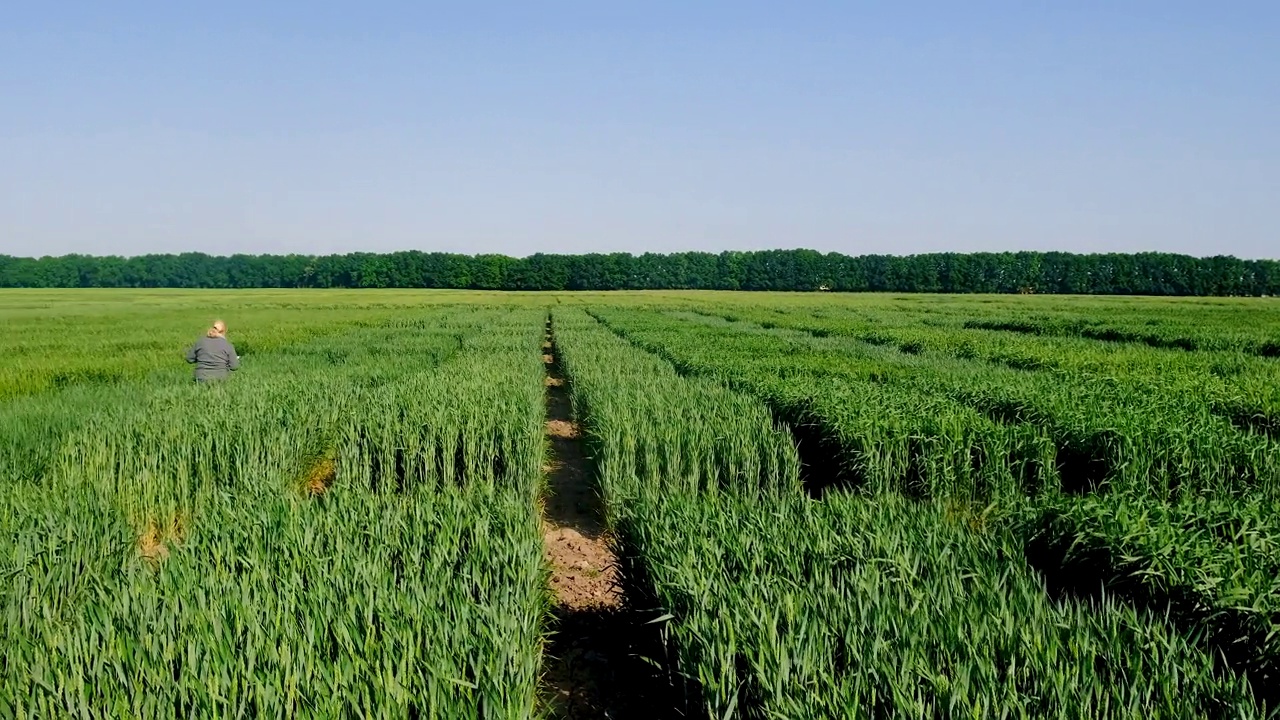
pixel 584 572
pixel 583 567
pixel 593 666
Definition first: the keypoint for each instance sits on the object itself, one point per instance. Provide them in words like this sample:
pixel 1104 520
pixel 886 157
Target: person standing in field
pixel 212 355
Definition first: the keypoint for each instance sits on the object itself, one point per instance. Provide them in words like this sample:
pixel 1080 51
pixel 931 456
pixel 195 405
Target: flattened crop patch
pixel 320 476
pixel 155 540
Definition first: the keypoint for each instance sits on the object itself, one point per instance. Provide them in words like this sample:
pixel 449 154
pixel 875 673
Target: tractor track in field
pixel 593 663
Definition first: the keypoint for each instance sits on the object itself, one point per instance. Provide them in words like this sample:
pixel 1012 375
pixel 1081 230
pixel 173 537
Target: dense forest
pixel 803 270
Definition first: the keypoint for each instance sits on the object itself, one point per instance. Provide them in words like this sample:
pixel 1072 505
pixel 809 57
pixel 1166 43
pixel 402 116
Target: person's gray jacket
pixel 213 357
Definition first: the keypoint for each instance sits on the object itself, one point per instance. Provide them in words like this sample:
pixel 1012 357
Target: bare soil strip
pixel 584 568
pixel 594 665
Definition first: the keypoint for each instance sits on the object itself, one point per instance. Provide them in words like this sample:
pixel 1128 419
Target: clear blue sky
pixel 902 127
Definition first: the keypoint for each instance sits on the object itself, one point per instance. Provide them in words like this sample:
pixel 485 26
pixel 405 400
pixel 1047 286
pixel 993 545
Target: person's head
pixel 219 329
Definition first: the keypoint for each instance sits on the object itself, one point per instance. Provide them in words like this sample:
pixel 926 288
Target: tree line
pixel 790 270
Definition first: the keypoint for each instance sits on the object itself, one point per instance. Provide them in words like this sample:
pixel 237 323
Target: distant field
pixel 836 505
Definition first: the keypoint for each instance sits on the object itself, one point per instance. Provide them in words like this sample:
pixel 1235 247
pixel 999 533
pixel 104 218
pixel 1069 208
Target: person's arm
pixel 191 353
pixel 233 360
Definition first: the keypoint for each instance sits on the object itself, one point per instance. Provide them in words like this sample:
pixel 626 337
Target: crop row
pixel 1101 434
pixel 336 532
pixel 1211 564
pixel 46 350
pixel 652 431
pixel 783 606
pixel 1239 388
pixel 855 429
pixel 1153 332
pixel 1228 325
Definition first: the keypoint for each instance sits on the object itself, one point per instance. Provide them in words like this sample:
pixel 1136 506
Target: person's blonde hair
pixel 218 329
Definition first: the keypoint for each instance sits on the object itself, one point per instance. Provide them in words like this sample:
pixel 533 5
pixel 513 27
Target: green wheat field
pixel 838 506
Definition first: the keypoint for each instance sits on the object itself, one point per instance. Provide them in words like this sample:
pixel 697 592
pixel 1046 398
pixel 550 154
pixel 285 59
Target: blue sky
pixel 133 127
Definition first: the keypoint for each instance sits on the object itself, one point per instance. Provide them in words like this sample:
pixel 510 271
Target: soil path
pixel 583 566
pixel 577 675
pixel 593 665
